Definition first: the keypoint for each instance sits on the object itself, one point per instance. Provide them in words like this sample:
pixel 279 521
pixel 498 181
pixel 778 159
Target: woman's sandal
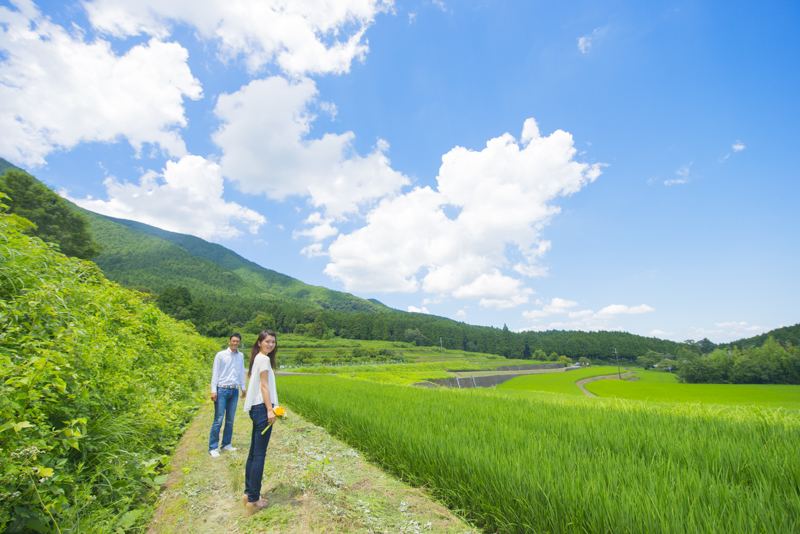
pixel 255 507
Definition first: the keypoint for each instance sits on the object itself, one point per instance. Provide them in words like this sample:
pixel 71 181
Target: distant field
pixel 289 344
pixel 563 383
pixel 773 396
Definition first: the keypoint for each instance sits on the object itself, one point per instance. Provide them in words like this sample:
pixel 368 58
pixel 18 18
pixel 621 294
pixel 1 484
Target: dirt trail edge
pixel 313 483
pixel 581 383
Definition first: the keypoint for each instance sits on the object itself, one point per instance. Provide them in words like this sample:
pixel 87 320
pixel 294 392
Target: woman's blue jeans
pixel 254 469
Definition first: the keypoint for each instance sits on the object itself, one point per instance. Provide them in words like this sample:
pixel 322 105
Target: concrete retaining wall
pixel 468 382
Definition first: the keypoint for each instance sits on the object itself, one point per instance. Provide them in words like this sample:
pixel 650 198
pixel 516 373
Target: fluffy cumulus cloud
pixel 186 197
pixel 502 195
pixel 266 149
pixel 300 36
pixel 57 90
pixel 578 319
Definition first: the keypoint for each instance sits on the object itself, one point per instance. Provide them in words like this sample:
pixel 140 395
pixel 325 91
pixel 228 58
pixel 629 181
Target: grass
pixel 563 383
pixel 567 464
pixel 774 396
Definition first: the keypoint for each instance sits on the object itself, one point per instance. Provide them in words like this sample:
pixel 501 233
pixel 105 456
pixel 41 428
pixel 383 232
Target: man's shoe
pixel 228 448
pixel 214 453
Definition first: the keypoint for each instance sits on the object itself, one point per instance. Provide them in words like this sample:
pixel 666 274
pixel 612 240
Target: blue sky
pixel 584 165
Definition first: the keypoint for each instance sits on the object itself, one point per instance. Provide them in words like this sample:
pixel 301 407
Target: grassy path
pixel 313 482
pixel 581 383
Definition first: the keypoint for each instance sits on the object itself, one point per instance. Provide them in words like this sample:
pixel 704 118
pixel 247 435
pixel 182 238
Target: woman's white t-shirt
pixel 254 396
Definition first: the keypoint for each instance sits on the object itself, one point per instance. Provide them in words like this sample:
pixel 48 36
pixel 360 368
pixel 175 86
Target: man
pixel 226 379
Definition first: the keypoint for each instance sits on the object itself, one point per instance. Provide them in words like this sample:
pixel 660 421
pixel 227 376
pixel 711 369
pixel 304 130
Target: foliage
pixel 771 363
pixel 96 388
pixel 553 463
pixel 56 221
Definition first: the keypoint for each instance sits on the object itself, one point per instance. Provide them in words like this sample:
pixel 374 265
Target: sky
pixel 589 165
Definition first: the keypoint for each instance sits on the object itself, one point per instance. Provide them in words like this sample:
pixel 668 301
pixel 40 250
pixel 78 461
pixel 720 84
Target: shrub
pixel 96 388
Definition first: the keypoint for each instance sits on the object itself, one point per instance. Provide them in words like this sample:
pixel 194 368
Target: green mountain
pixel 137 254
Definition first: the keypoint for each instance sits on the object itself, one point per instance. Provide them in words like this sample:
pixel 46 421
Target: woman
pixel 261 399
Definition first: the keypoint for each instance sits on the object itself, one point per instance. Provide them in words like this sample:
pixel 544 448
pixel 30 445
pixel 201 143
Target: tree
pixel 553 357
pixel 539 355
pixel 173 299
pixel 259 323
pixel 585 361
pixel 415 336
pixel 649 359
pixel 55 219
pixel 304 356
pixel 565 360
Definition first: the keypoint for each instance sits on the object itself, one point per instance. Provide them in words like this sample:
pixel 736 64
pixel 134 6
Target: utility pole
pixel 441 346
pixel 618 371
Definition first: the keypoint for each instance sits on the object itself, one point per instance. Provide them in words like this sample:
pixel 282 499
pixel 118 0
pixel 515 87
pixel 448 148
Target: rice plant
pixel 557 464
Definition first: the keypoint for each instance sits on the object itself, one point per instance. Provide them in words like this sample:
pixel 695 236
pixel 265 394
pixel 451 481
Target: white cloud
pixel 555 306
pixel 414 309
pixel 322 228
pixel 57 91
pixel 683 172
pixel 266 150
pixel 301 36
pixel 586 42
pixel 440 5
pixel 580 319
pixel 621 309
pixel 313 250
pixel 461 314
pixel 503 194
pixel 738 146
pixel 659 333
pixel 185 198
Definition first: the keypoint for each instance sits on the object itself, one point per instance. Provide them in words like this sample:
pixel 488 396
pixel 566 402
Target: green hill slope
pixel 137 254
pixel 787 334
pixel 6 165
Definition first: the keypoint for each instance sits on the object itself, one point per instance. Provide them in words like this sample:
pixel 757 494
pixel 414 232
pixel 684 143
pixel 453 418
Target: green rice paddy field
pixel 532 461
pixel 769 395
pixel 657 387
pixel 563 383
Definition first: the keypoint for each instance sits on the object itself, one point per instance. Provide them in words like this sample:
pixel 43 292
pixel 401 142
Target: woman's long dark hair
pixel 273 356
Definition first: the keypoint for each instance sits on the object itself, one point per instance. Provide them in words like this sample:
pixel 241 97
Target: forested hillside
pixel 6 165
pixel 787 334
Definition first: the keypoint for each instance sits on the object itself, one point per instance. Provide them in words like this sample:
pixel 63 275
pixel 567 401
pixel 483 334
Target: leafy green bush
pixel 96 388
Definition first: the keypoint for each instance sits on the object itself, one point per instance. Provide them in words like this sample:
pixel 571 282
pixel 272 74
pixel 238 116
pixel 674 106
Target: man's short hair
pixel 236 334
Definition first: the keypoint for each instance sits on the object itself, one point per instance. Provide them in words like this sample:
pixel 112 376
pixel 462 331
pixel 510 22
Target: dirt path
pixel 581 383
pixel 313 482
